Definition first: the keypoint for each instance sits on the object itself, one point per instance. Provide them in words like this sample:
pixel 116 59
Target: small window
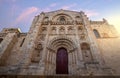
pixel 1 40
pixel 96 33
pixel 77 17
pixel 22 42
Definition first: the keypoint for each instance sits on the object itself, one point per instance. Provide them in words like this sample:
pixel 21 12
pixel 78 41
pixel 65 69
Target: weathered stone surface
pixel 92 46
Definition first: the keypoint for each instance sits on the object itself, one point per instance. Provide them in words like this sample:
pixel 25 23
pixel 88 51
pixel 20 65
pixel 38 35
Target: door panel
pixel 62 61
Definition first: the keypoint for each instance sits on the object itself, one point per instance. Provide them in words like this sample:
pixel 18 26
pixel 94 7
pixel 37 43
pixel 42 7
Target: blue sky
pixel 20 13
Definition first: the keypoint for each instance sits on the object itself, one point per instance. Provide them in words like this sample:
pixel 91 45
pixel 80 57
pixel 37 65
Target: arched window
pixel 1 40
pixel 96 33
pixel 62 19
pixel 22 42
pixel 78 18
pixel 46 19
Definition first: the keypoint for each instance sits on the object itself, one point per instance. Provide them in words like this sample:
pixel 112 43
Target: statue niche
pixel 53 30
pixel 62 30
pixel 87 56
pixel 82 36
pixel 44 30
pixel 70 30
pixel 37 52
pixel 80 28
pixel 42 37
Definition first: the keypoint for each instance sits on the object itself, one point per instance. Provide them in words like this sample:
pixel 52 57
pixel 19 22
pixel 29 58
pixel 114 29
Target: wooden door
pixel 62 61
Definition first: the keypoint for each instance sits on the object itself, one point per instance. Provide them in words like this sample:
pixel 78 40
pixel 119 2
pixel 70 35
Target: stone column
pixel 79 56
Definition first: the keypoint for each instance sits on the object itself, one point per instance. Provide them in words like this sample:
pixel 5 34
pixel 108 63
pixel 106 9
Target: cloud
pixel 25 14
pixel 53 4
pixel 91 13
pixel 69 6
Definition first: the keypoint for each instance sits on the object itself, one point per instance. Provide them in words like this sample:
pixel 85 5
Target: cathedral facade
pixel 61 42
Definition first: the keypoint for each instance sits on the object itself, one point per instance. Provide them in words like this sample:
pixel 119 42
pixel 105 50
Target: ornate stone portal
pixel 58 42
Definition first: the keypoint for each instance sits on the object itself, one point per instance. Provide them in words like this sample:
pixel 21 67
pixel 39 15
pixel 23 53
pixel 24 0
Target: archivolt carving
pixel 65 42
pixel 66 16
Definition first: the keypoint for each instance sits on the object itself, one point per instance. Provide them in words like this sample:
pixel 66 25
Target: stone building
pixel 61 42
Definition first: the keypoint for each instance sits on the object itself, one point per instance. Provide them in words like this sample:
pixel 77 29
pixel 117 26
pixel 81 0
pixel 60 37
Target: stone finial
pixel 104 20
pixel 82 12
pixel 42 13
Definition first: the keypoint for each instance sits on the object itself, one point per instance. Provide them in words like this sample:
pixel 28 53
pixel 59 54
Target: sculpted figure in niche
pixel 44 30
pixel 82 36
pixel 80 28
pixel 70 30
pixel 42 37
pixel 87 56
pixel 62 30
pixel 53 30
pixel 38 46
pixel 36 54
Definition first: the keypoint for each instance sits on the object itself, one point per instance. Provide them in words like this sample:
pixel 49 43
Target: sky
pixel 20 13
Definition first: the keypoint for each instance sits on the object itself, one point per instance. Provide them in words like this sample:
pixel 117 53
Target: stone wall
pixel 110 51
pixel 15 52
pixel 6 47
pixel 35 52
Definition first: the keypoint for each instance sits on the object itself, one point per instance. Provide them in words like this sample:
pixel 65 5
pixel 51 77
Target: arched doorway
pixel 62 61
